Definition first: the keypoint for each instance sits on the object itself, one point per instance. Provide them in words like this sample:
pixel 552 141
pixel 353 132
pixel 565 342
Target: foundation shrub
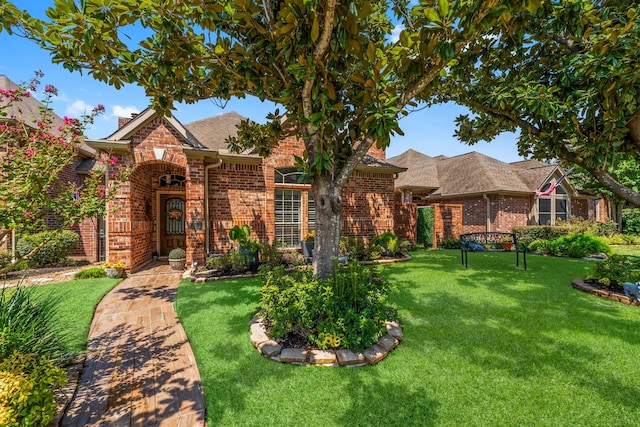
pixel 55 246
pixel 91 273
pixel 348 310
pixel 581 245
pixel 271 254
pixel 26 390
pixel 425 226
pixel 528 234
pixel 623 239
pixel 354 247
pixel 449 243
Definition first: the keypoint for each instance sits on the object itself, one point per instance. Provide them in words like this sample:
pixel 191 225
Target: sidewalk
pixel 140 369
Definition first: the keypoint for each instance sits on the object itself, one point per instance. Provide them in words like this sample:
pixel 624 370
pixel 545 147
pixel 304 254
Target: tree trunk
pixel 328 198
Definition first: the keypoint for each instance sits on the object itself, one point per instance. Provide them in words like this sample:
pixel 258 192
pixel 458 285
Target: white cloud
pixel 78 108
pixel 395 33
pixel 124 111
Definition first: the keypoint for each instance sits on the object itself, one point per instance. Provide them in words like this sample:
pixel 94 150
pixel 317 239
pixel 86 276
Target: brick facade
pixel 239 192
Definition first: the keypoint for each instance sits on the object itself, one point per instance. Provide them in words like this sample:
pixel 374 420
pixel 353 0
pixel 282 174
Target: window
pixel 554 207
pixel 169 180
pixel 289 176
pixel 288 216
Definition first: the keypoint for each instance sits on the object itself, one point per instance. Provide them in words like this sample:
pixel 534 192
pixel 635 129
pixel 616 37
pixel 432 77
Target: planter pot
pixel 507 245
pixel 177 264
pixel 114 272
pixel 250 256
pixel 307 249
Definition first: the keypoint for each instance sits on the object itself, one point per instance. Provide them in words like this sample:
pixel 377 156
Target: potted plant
pixel 177 259
pixel 114 269
pixel 249 248
pixel 308 244
pixel 507 242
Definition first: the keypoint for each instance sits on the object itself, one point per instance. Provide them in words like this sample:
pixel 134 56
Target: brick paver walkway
pixel 140 369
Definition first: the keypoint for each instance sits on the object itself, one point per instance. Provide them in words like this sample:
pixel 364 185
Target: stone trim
pixel 581 285
pixel 341 357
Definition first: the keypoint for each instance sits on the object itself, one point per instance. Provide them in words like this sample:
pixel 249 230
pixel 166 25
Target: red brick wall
pixel 367 205
pixel 447 221
pixel 405 219
pixel 506 212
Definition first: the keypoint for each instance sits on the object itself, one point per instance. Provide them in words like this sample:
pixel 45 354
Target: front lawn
pixel 77 300
pixel 491 345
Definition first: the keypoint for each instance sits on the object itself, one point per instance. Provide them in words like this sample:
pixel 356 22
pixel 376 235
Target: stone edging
pixel 581 285
pixel 342 357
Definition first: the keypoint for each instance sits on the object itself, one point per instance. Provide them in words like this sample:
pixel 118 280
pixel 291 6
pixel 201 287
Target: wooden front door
pixel 172 223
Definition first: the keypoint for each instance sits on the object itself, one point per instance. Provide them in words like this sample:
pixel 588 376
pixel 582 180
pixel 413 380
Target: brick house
pixel 479 193
pixel 28 110
pixel 186 189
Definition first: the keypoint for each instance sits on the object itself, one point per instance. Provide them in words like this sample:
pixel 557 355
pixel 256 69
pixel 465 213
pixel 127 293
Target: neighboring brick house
pixel 186 189
pixel 28 110
pixel 492 195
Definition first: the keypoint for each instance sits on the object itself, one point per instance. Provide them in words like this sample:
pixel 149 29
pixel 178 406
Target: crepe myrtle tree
pixel 33 153
pixel 340 78
pixel 568 78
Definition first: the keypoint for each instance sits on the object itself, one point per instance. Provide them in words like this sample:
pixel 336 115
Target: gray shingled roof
pixel 214 131
pixel 470 173
pixel 421 173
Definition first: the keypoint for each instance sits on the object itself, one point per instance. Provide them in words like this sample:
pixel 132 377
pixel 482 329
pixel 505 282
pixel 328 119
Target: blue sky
pixel 429 131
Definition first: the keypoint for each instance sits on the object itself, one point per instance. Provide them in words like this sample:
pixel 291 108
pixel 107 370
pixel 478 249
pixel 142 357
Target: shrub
pixel 621 268
pixel 631 221
pixel 238 262
pixel 388 241
pixel 91 273
pixel 219 263
pixel 622 239
pixel 26 390
pixel 425 227
pixel 26 324
pixel 177 253
pixel 348 310
pixel 354 247
pixel 528 234
pixel 271 254
pixel 449 243
pixel 581 245
pixel 56 245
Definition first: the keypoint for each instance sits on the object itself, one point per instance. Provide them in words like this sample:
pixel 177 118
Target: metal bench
pixel 475 242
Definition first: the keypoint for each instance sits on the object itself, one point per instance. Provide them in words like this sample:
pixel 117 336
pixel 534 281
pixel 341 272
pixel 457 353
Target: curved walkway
pixel 140 369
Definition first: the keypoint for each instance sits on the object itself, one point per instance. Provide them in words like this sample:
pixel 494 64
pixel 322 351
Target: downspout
pixel 488 199
pixel 207 238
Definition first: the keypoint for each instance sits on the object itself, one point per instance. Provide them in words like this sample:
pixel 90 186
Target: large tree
pixel 343 82
pixel 568 79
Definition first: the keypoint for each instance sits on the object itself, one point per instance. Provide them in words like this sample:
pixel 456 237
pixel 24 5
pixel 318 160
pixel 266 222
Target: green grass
pixel 77 300
pixel 490 345
pixel 626 249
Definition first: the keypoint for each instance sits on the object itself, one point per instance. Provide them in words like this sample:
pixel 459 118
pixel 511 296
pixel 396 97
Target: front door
pixel 172 223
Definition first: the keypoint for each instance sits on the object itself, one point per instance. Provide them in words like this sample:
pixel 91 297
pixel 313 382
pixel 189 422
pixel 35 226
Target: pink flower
pixel 29 153
pixel 51 89
pixel 27 214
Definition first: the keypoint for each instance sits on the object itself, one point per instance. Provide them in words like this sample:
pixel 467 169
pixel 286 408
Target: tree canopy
pixel 568 78
pixel 342 80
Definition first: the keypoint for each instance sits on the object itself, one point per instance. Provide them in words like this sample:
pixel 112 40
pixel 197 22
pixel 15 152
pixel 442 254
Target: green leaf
pixel 315 29
pixel 432 15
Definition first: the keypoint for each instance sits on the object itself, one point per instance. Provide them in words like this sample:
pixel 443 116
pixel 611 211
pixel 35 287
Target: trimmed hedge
pixel 425 227
pixel 59 245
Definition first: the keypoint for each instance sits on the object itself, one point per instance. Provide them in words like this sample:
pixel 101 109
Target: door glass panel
pixel 174 209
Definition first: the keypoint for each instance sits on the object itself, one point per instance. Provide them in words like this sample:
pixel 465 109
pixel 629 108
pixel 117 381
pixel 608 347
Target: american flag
pixel 553 186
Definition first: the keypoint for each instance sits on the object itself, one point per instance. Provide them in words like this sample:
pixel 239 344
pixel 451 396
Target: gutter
pixel 207 237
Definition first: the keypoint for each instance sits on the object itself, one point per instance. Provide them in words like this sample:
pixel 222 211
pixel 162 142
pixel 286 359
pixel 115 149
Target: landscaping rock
pixel 293 355
pixel 347 357
pixel 270 348
pixel 374 354
pixel 388 342
pixel 322 357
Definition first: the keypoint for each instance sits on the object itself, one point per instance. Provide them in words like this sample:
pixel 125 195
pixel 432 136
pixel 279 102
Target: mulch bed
pixel 613 292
